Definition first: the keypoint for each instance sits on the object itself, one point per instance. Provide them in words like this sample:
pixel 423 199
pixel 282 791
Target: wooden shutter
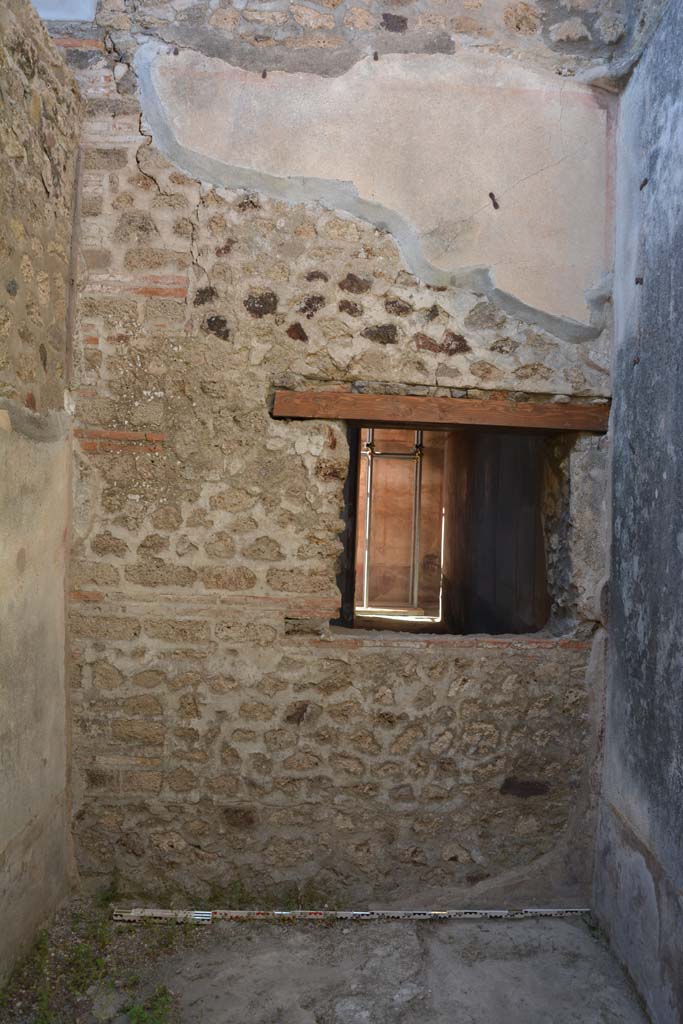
pixel 494 572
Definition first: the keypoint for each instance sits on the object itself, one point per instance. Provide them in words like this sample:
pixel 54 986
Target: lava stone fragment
pixel 453 344
pixel 356 285
pixel 261 304
pixel 384 334
pixel 249 202
pixel 398 307
pixel 506 346
pixel 205 295
pixel 217 325
pixel 425 343
pixel 311 304
pixel 524 788
pixel 297 332
pixel 394 22
pixel 239 817
pixel 352 308
pixel 297 713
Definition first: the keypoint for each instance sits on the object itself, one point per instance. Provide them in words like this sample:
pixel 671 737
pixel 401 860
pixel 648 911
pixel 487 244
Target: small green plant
pixel 41 951
pixel 83 967
pixel 44 1014
pixel 34 967
pixel 156 1010
pixel 98 930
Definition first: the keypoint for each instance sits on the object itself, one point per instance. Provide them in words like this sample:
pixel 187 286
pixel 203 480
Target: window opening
pixel 448 532
pixel 399 564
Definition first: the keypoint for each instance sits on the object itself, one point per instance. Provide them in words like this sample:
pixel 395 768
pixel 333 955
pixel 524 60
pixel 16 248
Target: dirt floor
pixel 86 969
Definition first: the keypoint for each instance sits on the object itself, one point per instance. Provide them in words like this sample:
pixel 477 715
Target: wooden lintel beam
pixel 385 410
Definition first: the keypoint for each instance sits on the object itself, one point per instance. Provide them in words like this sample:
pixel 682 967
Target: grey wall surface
pixel 639 867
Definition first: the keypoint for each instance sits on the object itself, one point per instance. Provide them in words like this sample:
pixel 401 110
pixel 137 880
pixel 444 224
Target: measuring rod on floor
pixel 138 914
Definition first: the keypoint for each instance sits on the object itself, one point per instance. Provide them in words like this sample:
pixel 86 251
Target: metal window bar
pixel 371 452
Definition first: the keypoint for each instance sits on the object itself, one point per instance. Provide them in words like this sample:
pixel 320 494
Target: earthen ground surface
pixel 522 972
pixel 87 969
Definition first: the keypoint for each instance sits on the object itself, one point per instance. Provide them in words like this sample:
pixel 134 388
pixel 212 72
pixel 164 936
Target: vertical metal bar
pixel 417 511
pixel 443 542
pixel 370 445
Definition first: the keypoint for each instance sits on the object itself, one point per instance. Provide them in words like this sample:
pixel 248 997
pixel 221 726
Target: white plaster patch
pixel 416 144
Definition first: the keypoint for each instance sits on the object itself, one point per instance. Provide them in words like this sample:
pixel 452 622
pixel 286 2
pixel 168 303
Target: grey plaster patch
pixel 169 128
pixel 312 59
pixel 53 426
pixel 66 10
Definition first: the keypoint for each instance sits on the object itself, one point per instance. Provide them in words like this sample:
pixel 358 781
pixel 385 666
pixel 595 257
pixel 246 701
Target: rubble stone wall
pixel 38 125
pixel 227 739
pixel 330 36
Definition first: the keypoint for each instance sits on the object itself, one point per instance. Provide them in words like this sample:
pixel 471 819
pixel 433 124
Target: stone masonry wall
pixel 225 752
pixel 38 123
pixel 225 737
pixel 330 35
pixel 39 111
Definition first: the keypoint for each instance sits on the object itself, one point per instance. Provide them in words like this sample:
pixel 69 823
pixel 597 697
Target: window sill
pixel 345 636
